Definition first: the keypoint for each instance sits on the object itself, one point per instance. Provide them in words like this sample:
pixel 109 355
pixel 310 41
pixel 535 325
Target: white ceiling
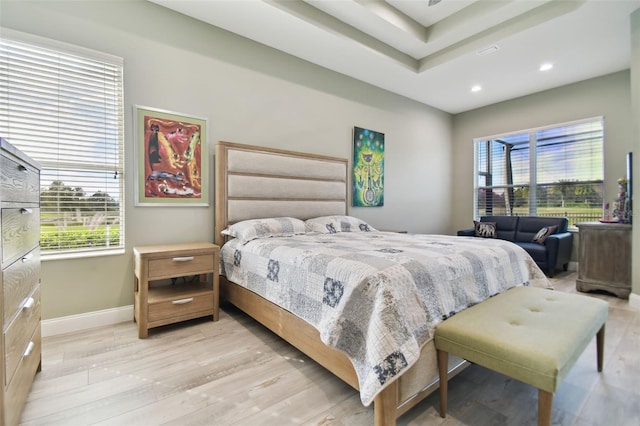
pixel 430 53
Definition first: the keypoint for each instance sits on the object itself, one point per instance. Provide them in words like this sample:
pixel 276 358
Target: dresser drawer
pixel 20 232
pixel 19 280
pixel 180 266
pixel 18 389
pixel 19 182
pixel 181 308
pixel 17 335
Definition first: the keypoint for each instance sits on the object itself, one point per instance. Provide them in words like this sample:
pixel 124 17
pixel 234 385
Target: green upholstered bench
pixel 533 335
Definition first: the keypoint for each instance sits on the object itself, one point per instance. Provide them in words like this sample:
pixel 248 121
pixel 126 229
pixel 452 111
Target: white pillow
pixel 248 230
pixel 333 224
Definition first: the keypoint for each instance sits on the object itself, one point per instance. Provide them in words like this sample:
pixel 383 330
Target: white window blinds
pixel 551 171
pixel 65 110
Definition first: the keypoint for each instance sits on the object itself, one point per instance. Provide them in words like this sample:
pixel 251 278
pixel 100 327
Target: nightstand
pixel 173 283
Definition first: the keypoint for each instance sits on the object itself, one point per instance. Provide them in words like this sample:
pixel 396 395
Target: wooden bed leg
pixel 600 345
pixel 385 405
pixel 545 407
pixel 443 367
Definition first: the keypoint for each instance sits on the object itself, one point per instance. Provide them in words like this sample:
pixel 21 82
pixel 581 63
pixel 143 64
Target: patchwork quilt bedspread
pixel 377 296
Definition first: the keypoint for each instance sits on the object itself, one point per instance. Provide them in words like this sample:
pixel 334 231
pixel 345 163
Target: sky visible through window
pixel 547 171
pixel 558 158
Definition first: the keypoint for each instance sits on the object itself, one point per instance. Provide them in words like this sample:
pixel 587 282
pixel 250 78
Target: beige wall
pixel 635 90
pixel 250 94
pixel 608 96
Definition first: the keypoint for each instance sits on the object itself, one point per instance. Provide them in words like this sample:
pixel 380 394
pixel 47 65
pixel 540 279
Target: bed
pixel 256 183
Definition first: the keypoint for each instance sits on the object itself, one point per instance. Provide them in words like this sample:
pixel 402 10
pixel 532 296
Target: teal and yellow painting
pixel 368 168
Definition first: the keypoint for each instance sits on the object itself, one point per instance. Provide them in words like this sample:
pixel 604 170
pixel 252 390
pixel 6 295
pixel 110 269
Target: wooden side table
pixel 173 283
pixel 604 258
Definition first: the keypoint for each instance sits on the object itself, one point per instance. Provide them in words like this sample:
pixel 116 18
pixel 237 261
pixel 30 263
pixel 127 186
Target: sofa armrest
pixel 467 232
pixel 559 248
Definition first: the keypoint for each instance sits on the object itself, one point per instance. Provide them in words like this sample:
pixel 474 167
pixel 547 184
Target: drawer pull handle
pixel 182 301
pixel 26 211
pixel 22 168
pixel 27 257
pixel 183 259
pixel 29 349
pixel 29 303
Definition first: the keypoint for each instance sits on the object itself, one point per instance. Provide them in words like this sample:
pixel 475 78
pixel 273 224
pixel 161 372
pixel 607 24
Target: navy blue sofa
pixel 555 253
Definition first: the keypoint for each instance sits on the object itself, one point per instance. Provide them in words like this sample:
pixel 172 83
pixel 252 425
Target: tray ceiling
pixel 436 54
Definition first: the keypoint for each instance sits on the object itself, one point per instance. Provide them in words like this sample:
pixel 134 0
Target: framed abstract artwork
pixel 171 158
pixel 368 168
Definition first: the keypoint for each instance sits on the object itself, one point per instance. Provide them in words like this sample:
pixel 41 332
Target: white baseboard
pixel 71 323
pixel 634 300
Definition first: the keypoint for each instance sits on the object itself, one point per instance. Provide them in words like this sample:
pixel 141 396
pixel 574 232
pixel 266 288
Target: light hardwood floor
pixel 235 372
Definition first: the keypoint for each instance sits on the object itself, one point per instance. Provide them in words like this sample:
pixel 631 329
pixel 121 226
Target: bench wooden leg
pixel 443 366
pixel 600 345
pixel 545 406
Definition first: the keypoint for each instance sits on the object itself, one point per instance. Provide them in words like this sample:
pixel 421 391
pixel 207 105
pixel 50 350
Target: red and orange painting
pixel 174 166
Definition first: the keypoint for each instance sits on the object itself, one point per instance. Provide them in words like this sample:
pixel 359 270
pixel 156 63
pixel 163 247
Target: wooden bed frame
pixel 258 182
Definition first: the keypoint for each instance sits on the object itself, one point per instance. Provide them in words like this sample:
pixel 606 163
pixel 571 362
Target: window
pixel 551 171
pixel 63 106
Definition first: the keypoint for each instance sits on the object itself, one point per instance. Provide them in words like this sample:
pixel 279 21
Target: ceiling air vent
pixel 487 50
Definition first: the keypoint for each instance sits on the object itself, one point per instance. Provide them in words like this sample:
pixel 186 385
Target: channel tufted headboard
pixel 256 182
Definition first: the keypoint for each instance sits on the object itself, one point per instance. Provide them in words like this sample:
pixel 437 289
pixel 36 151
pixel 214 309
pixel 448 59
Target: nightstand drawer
pixel 19 281
pixel 18 334
pixel 178 266
pixel 20 232
pixel 192 306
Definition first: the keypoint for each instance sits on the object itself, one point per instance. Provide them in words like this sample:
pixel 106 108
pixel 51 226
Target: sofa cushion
pixel 529 226
pixel 538 252
pixel 485 229
pixel 505 226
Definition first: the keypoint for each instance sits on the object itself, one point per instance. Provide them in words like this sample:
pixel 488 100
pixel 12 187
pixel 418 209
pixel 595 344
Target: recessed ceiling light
pixel 476 88
pixel 546 67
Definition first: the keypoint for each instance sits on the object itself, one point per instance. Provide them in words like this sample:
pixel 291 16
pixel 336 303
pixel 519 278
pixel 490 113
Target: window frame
pixel 117 146
pixel 533 178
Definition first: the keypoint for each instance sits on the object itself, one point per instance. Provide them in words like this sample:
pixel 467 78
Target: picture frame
pixel 172 166
pixel 367 168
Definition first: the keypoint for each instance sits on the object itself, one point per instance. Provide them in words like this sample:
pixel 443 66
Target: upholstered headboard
pixel 255 182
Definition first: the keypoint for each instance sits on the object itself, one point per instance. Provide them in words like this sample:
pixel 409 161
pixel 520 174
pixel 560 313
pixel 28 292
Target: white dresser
pixel 20 357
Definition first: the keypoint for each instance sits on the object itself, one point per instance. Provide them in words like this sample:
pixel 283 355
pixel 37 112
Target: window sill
pixel 80 255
